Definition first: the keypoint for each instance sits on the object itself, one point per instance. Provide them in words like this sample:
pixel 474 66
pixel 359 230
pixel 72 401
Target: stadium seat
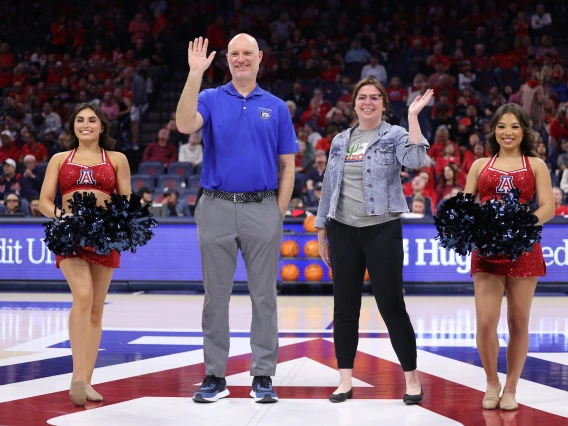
pixel 189 195
pixel 152 168
pixel 140 180
pixel 193 181
pixel 181 168
pixel 170 182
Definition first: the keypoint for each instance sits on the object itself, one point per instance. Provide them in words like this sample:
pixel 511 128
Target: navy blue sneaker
pixel 262 390
pixel 212 389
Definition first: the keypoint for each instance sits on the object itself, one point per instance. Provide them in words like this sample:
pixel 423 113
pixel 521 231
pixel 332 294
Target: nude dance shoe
pixel 491 398
pixel 508 402
pixel 92 394
pixel 78 394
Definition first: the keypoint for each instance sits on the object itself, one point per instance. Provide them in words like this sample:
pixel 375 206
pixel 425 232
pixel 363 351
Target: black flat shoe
pixel 413 399
pixel 341 397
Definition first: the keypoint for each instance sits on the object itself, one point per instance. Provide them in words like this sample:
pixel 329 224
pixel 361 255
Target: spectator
pixel 313 135
pixel 442 139
pixel 33 147
pixel 559 87
pixel 13 205
pixel 112 111
pixel 559 202
pixel 541 22
pixel 324 144
pixel 174 207
pixel 283 26
pixel 139 29
pixel 8 147
pixel 469 156
pixel 52 119
pixel 298 95
pixel 139 100
pixel 32 176
pixel 216 34
pixel 448 181
pixel 357 54
pixel 464 131
pixel 314 195
pixel 480 61
pixel 562 161
pixel 374 69
pixel 418 206
pixel 532 100
pixel 161 151
pixel 315 175
pixel 145 195
pixel 418 188
pixel 306 155
pixel 558 128
pixel 60 146
pixel 455 191
pixel 11 181
pixel 7 59
pixel 192 151
pixel 34 208
pixel 546 48
pixel 442 161
pixel 564 182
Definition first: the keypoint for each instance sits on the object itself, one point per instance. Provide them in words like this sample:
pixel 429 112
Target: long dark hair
pixel 105 141
pixel 528 144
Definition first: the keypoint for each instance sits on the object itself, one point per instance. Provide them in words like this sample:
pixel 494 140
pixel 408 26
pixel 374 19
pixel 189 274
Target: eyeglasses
pixel 12 201
pixel 373 98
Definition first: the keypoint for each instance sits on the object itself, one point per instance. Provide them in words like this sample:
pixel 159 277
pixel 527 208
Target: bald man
pixel 247 180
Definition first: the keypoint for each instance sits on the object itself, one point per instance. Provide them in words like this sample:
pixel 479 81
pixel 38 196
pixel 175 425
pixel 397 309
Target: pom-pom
pixel 508 228
pixel 68 231
pixel 456 223
pixel 127 225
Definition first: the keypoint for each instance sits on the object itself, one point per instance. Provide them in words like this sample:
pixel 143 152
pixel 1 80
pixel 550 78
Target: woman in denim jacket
pixel 359 227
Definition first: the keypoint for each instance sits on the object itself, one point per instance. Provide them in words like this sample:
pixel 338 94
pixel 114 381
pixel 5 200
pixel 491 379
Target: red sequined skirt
pixel 111 260
pixel 530 264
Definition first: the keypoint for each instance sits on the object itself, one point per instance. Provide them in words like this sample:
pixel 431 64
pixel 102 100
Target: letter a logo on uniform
pixel 86 178
pixel 505 184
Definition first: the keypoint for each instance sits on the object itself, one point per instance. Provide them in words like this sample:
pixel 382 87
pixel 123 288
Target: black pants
pixel 379 249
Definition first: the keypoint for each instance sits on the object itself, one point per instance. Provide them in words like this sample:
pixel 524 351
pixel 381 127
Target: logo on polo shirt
pixel 265 113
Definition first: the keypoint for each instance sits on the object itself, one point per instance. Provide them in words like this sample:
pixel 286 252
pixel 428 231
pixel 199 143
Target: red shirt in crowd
pixel 39 152
pixel 505 61
pixel 164 154
pixel 11 151
pixel 557 130
pixel 561 211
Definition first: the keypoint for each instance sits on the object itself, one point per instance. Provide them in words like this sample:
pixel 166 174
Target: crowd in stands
pixel 475 56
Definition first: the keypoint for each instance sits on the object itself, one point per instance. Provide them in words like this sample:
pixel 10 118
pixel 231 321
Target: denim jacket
pixel 384 158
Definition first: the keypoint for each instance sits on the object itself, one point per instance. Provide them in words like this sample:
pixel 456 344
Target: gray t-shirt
pixel 351 208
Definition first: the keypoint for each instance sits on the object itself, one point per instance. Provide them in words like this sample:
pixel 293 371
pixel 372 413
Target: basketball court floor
pixel 151 362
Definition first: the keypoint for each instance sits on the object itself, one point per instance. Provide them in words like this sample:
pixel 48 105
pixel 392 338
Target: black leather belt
pixel 241 197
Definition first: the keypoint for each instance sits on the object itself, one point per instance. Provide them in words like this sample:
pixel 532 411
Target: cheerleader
pixel 91 166
pixel 513 164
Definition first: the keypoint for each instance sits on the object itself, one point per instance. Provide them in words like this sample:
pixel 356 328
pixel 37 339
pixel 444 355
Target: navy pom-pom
pixel 508 228
pixel 68 231
pixel 127 225
pixel 457 221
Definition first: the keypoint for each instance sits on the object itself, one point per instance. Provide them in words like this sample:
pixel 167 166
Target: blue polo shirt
pixel 243 138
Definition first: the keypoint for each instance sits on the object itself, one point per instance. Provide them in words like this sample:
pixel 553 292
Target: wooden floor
pixel 151 362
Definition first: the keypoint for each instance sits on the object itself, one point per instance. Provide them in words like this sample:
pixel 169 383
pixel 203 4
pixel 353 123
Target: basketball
pixel 309 224
pixel 289 272
pixel 330 274
pixel 366 275
pixel 313 272
pixel 289 248
pixel 311 249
